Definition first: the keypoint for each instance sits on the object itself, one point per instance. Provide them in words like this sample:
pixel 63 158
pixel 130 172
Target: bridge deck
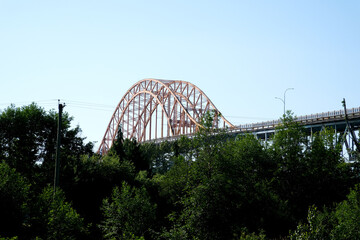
pixel 331 117
pixel 314 122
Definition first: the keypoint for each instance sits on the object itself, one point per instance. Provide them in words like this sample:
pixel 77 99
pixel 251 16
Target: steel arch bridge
pixel 156 108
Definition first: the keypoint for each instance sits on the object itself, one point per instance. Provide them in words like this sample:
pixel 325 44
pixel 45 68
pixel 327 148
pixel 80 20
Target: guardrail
pixel 339 114
pixel 317 117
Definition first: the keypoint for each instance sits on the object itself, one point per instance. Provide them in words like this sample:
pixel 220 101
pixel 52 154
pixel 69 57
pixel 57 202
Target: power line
pixel 70 103
pixel 100 106
pixel 90 108
pixel 90 104
pixel 47 101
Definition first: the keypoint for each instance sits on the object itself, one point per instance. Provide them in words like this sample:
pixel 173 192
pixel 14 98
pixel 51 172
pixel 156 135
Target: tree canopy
pixel 210 186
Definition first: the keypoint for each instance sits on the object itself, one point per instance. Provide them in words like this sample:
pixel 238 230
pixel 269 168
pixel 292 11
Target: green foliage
pixel 23 141
pixel 289 143
pixel 327 176
pixel 210 186
pixel 341 223
pixel 118 145
pixel 175 182
pixel 14 194
pixel 219 187
pixel 159 155
pixel 318 226
pixel 92 179
pixel 28 137
pixel 129 150
pixel 108 168
pixel 134 154
pixel 56 219
pixel 252 236
pixel 229 175
pixel 309 171
pixel 347 215
pixel 128 213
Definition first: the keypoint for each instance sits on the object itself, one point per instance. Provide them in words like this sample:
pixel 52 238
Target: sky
pixel 241 53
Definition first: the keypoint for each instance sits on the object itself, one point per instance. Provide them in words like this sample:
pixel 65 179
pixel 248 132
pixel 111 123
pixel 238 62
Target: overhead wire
pixel 89 105
pixel 47 101
pixel 69 103
pixel 100 106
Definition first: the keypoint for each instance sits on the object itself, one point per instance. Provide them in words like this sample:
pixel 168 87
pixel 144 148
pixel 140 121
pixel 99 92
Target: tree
pixel 288 150
pixel 219 187
pixel 14 196
pixel 24 136
pixel 91 180
pixel 318 226
pixel 228 191
pixel 28 137
pixel 128 213
pixel 309 171
pixel 339 224
pixel 327 177
pixel 347 215
pixel 56 219
pixel 159 155
pixel 133 153
pixel 129 149
pixel 118 146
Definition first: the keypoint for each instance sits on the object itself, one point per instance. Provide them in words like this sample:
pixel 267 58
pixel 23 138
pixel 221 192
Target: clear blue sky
pixel 242 54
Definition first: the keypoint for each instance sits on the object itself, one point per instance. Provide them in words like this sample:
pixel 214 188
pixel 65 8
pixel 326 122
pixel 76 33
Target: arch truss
pixel 154 108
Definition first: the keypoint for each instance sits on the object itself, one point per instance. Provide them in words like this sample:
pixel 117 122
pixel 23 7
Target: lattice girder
pixel 154 108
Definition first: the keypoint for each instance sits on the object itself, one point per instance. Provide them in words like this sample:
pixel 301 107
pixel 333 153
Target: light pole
pixel 284 99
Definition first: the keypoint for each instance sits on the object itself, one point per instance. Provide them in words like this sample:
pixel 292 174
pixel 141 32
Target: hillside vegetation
pixel 211 186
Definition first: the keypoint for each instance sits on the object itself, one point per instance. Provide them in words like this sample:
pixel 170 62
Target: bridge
pixel 159 110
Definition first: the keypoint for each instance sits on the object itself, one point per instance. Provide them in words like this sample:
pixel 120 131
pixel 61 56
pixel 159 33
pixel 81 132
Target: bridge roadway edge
pixel 312 123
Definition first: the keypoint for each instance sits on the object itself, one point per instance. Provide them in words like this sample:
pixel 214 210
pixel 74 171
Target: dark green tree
pixel 133 153
pixel 28 140
pixel 129 149
pixel 129 213
pixel 328 177
pixel 159 155
pixel 14 197
pixel 220 187
pixel 288 150
pixel 347 217
pixel 229 191
pixel 309 171
pixel 118 146
pixel 24 136
pixel 339 224
pixel 92 179
pixel 55 218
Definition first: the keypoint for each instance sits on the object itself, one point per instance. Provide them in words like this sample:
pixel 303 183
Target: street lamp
pixel 283 99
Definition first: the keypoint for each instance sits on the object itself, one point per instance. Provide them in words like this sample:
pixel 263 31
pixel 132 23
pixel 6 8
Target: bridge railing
pixel 303 119
pixel 335 115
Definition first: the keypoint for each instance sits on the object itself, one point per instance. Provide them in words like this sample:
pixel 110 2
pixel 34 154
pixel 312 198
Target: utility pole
pixel 353 136
pixel 58 143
